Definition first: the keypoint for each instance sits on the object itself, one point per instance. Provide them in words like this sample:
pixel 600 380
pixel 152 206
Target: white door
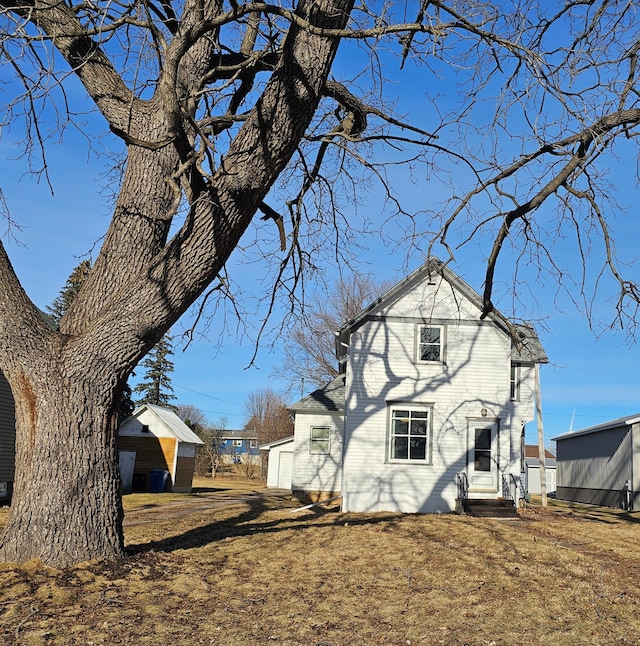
pixel 285 469
pixel 483 457
pixel 127 461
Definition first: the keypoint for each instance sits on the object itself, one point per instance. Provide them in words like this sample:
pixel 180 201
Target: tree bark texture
pixel 66 383
pixel 66 505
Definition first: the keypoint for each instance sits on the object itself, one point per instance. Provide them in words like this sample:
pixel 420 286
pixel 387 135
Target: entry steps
pixel 491 508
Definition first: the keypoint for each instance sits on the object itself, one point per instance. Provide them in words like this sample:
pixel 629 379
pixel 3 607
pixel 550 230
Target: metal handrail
pixel 509 487
pixel 463 490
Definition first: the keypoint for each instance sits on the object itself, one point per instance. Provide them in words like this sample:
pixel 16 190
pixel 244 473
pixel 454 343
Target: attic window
pixel 145 428
pixel 430 343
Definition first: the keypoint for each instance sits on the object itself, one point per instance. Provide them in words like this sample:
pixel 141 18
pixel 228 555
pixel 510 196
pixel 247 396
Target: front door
pixel 483 457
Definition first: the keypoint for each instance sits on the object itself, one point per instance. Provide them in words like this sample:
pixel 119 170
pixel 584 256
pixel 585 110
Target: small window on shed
pixel 145 428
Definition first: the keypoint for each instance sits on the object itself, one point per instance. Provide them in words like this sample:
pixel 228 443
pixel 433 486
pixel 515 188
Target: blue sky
pixel 591 377
pixel 589 380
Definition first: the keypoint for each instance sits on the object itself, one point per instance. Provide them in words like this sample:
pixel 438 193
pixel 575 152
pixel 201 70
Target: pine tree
pixel 63 301
pixel 156 386
pixel 127 405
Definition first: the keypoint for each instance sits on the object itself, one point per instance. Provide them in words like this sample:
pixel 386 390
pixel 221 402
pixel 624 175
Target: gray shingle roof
pixel 528 349
pixel 328 398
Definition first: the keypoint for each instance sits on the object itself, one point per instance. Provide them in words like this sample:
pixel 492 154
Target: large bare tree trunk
pixel 67 504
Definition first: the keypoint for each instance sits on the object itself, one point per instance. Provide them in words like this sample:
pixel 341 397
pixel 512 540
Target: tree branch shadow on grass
pixel 244 525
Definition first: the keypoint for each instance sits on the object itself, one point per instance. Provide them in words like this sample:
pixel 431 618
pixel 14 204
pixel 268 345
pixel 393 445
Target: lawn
pixel 233 565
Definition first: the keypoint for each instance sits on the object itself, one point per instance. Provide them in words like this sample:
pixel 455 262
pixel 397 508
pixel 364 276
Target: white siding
pixel 471 384
pixel 533 479
pixel 317 472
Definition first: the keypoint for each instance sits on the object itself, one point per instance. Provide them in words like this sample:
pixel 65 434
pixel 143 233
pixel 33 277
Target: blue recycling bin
pixel 158 479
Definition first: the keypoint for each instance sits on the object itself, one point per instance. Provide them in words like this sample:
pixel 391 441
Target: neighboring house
pixel 280 464
pixel 532 470
pixel 600 465
pixel 7 440
pixel 430 395
pixel 239 447
pixel 164 448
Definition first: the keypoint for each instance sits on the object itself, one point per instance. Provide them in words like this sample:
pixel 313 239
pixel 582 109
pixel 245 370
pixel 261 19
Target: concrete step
pixel 490 508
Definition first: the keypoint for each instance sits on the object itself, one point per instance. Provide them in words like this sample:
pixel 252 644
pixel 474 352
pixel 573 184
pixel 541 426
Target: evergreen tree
pixel 63 301
pixel 127 405
pixel 156 386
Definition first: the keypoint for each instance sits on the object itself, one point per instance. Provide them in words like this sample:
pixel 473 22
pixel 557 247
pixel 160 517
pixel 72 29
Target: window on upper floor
pixel 410 433
pixel 253 444
pixel 430 343
pixel 514 382
pixel 320 440
pixel 237 442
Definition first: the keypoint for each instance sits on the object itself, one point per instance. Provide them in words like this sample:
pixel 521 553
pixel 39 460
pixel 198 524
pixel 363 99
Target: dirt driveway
pixel 157 508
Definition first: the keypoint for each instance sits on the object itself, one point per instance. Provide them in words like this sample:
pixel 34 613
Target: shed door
pixel 483 457
pixel 127 462
pixel 285 469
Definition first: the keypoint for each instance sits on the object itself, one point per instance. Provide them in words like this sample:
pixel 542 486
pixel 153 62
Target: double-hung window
pixel 514 382
pixel 430 346
pixel 410 434
pixel 320 440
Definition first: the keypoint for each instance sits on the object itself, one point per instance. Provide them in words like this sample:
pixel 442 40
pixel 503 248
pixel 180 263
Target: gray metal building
pixel 600 465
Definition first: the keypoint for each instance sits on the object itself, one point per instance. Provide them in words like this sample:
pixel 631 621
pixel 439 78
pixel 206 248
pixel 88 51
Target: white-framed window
pixel 320 440
pixel 237 443
pixel 430 343
pixel 410 433
pixel 514 382
pixel 253 444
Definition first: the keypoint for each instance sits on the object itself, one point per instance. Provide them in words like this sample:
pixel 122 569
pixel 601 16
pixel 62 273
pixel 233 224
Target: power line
pixel 224 401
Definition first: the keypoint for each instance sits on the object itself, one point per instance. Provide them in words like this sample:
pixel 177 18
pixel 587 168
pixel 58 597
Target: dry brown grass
pixel 226 566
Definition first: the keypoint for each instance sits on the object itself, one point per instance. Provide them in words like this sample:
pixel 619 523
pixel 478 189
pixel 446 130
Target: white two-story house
pixel 430 397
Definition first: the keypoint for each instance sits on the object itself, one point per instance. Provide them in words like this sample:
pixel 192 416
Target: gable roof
pixel 171 422
pixel 527 348
pixel 329 397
